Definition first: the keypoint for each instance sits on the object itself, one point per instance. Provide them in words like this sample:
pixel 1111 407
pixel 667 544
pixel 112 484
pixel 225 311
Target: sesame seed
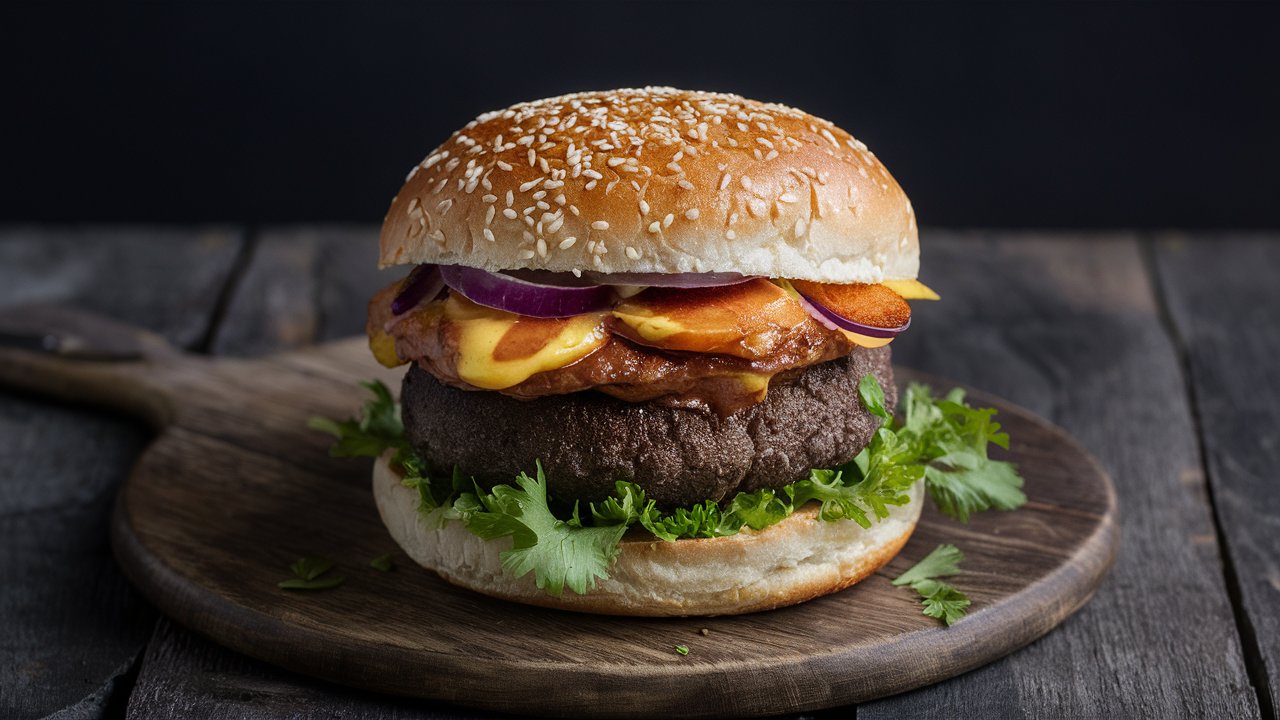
pixel 504 165
pixel 765 142
pixel 511 198
pixel 771 155
pixel 542 247
pixel 685 184
pixel 526 187
pixel 788 197
pixel 489 198
pixel 526 254
pixel 616 161
pixel 560 199
pixel 633 253
pixel 730 235
pixel 593 174
pixel 567 243
pixel 692 213
pixel 724 181
pixel 488 235
pixel 488 214
pixel 533 157
pixel 573 209
pixel 509 214
pixel 644 208
pixel 746 182
pixel 666 221
pixel 800 227
pixel 590 186
pixel 655 226
pixel 599 225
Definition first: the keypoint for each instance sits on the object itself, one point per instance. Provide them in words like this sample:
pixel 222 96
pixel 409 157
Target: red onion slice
pixel 673 280
pixel 833 321
pixel 424 283
pixel 504 292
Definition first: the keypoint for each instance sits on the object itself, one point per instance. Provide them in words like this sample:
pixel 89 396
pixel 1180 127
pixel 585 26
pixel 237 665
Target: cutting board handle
pixel 81 357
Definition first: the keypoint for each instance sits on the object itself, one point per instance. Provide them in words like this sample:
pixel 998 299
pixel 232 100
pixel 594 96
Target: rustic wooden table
pixel 1156 351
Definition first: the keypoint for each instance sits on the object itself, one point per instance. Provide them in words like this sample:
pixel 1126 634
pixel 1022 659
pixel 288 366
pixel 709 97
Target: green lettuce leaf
pixel 560 554
pixel 951 439
pixel 375 430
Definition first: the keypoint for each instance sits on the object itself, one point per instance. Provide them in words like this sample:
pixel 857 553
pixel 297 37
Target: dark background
pixel 1047 115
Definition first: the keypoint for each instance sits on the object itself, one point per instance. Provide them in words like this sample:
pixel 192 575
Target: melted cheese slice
pixel 497 349
pixel 911 289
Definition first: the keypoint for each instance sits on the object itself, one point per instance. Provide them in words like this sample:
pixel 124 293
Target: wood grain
pixel 1069 328
pixel 236 488
pixel 1224 301
pixel 301 286
pixel 72 625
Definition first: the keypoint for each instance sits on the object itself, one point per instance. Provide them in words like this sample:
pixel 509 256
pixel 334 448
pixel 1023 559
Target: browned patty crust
pixel 587 440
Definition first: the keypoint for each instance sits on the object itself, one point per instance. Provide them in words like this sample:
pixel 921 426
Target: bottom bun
pixel 798 559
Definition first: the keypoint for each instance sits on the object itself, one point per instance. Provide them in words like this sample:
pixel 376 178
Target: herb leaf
pixel 310 568
pixel 559 553
pixel 942 601
pixel 682 649
pixel 307 574
pixel 317 584
pixel 872 396
pixel 939 599
pixel 951 439
pixel 382 563
pixel 943 561
pixel 373 432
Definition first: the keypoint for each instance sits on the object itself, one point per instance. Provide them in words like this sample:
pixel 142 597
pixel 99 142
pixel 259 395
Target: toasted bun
pixel 655 180
pixel 798 559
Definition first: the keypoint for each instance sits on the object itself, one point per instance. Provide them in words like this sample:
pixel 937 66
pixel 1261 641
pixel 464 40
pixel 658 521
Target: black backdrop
pixel 1138 115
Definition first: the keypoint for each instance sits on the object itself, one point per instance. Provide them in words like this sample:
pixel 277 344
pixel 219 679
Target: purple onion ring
pixel 831 320
pixel 504 292
pixel 423 284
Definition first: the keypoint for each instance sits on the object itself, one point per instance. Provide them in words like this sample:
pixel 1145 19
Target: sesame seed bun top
pixel 655 180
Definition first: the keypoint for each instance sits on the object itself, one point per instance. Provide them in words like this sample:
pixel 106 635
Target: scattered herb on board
pixel 309 574
pixel 940 600
pixel 682 649
pixel 383 563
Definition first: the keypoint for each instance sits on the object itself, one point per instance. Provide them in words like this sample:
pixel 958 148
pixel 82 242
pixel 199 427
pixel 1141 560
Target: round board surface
pixel 236 488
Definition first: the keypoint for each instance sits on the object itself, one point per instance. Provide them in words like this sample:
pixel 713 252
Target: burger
pixel 648 336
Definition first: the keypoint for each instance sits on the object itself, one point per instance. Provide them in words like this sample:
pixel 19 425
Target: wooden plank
pixel 73 625
pixel 185 675
pixel 1224 302
pixel 300 286
pixel 1069 327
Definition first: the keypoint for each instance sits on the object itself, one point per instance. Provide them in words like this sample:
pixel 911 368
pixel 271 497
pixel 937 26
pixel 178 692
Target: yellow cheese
pixel 653 328
pixel 384 349
pixel 911 289
pixel 866 341
pixel 481 331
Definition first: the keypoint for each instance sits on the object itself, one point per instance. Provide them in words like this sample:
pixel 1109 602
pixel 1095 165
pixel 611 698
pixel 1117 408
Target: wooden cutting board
pixel 235 488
